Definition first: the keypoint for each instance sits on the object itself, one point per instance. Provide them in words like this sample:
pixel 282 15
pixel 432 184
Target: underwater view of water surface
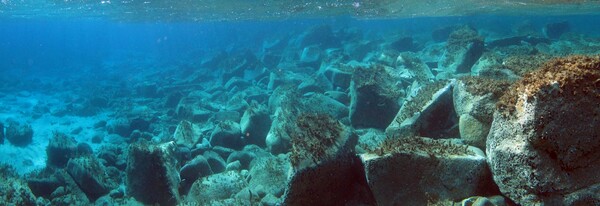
pixel 232 102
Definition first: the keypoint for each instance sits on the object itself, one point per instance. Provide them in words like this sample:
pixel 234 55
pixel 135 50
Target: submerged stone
pixel 545 129
pixel 91 176
pixel 19 134
pixel 152 176
pixel 463 49
pixel 60 149
pixel 417 170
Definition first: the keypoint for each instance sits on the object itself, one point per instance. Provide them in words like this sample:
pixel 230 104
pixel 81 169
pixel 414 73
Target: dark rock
pixel 517 40
pixel 173 100
pixel 463 49
pixel 322 36
pixel 97 138
pixel 556 30
pixel 100 102
pixel 403 44
pixel 373 99
pixel 1 133
pixel 152 177
pixel 189 108
pixel 311 57
pixel 192 171
pixel 216 161
pixel 91 176
pixel 113 155
pixel 236 64
pixel 147 90
pixel 428 114
pixel 255 125
pixel 43 187
pixel 84 149
pixel 340 77
pixel 323 147
pixel 19 134
pixel 244 157
pixel 100 124
pixel 119 126
pixel 60 149
pixel 442 34
pixel 139 124
pixel 227 134
pixel 417 171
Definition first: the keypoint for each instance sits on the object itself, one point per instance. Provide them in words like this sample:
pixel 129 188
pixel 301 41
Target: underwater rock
pixel 1 133
pixel 321 147
pixel 339 76
pixel 148 90
pixel 517 40
pixel 268 175
pixel 322 104
pixel 216 161
pixel 463 49
pixel 428 112
pixel 223 116
pixel 321 36
pixel 310 85
pixel 496 200
pixel 442 34
pixel 192 171
pixel 403 44
pixel 475 102
pixel 60 149
pixel 189 109
pixel 341 97
pixel 556 30
pixel 114 155
pixel 373 99
pixel 255 124
pixel 360 49
pixel 236 82
pixel 416 170
pixel 412 68
pixel 215 188
pixel 119 126
pixel 227 134
pixel 546 129
pixel 91 176
pixel 236 64
pixel 310 57
pixel 369 139
pixel 278 140
pixel 234 166
pixel 18 134
pixel 152 176
pixel 173 99
pixel 14 190
pixel 244 157
pixel 43 187
pixel 187 134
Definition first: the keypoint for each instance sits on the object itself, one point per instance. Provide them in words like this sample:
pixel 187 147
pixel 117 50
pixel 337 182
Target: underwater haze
pixel 299 102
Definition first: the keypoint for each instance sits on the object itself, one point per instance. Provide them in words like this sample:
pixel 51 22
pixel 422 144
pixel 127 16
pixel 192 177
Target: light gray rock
pixel 217 187
pixel 418 169
pixel 473 131
pixel 187 134
pixel 322 104
pixel 278 140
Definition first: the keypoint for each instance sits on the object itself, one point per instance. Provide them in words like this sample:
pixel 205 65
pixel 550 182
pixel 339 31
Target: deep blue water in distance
pixel 38 46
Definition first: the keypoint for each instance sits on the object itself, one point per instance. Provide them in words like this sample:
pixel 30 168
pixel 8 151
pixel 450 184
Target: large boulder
pixel 91 176
pixel 463 49
pixel 278 140
pixel 321 147
pixel 14 190
pixel 152 176
pixel 1 133
pixel 19 134
pixel 417 170
pixel 374 101
pixel 428 112
pixel 544 143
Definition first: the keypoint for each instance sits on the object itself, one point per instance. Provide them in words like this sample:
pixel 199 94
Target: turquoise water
pixel 191 102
